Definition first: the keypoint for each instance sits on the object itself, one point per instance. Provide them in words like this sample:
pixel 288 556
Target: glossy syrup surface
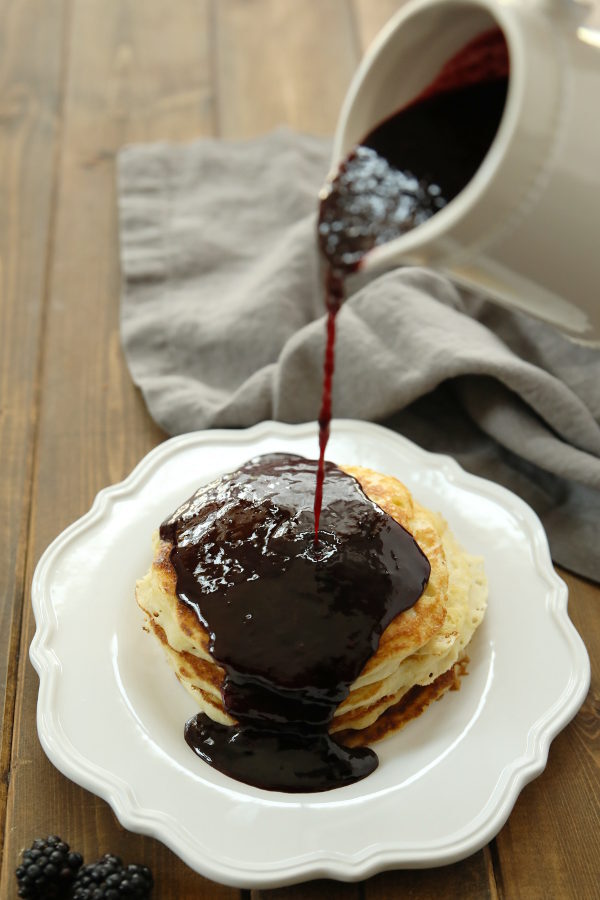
pixel 417 160
pixel 291 622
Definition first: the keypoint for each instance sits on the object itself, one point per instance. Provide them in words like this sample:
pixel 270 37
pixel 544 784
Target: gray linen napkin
pixel 223 325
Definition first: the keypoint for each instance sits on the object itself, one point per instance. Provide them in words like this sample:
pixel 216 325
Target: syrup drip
pixel 404 172
pixel 334 297
pixel 296 583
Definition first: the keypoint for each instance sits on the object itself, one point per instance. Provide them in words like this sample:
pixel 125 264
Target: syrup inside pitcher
pixel 416 161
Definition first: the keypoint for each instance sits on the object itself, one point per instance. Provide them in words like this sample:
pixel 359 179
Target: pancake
pixel 421 653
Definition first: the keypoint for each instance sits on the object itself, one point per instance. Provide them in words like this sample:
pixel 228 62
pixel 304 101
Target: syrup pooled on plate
pixel 291 622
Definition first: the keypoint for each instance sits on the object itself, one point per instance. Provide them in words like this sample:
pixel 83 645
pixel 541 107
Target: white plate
pixel 111 714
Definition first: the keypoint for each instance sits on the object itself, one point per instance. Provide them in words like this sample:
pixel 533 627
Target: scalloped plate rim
pixel 316 863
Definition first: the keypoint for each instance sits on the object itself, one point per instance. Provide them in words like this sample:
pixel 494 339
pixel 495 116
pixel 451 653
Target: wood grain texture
pixel 473 877
pixel 282 62
pixel 312 890
pixel 371 17
pixel 550 846
pixel 31 61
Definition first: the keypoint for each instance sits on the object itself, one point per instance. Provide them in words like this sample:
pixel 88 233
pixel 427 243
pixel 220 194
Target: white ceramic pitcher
pixel 526 229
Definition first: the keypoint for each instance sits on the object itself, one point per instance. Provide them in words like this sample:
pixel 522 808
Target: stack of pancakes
pixel 421 653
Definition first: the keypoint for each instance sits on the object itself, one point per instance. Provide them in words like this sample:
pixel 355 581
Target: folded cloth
pixel 222 322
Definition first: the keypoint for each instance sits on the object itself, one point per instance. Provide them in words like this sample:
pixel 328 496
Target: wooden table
pixel 78 79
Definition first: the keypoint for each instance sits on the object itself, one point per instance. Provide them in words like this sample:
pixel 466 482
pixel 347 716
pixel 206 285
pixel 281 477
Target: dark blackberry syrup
pixel 403 172
pixel 295 584
pixel 292 624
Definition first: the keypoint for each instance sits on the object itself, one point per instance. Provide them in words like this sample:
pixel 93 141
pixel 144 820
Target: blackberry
pixel 47 869
pixel 109 879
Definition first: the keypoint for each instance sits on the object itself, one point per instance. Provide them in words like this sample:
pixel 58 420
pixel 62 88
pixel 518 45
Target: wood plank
pixel 279 61
pixel 371 17
pixel 323 889
pixel 30 95
pixel 550 846
pixel 468 880
pixel 136 72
